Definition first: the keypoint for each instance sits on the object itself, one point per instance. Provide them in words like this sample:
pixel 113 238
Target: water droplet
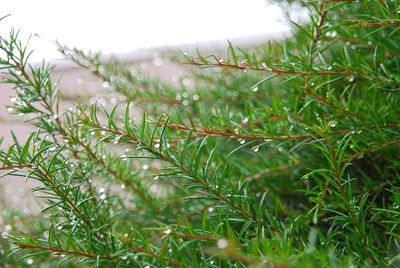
pixel 18 72
pixel 123 186
pixel 157 145
pixel 245 120
pixel 351 79
pixel 220 60
pixel 210 209
pixel 157 61
pixel 256 149
pixel 329 67
pixel 4 235
pixel 59 227
pixel 175 78
pixel 103 132
pixel 102 190
pixel 116 141
pixel 52 149
pixel 29 261
pixel 13 99
pixel 333 123
pixel 196 97
pixel 105 84
pixel 370 43
pixel 143 65
pixel 241 141
pixel 102 196
pixel 222 243
pixel 178 97
pixel 156 178
pixel 167 231
pixel 254 89
pixel 124 258
pixel 348 43
pixel 186 81
pixel 145 167
pixel 185 94
pixel 356 210
pixel 10 109
pixel 306 178
pixel 396 205
pixel 185 102
pixel 55 116
pixel 211 262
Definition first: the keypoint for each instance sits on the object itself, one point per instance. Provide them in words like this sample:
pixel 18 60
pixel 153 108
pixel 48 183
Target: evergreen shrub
pixel 284 155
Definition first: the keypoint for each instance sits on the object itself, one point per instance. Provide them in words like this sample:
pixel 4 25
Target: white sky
pixel 125 25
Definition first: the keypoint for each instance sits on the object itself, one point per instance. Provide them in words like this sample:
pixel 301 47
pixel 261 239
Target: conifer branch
pixel 377 146
pixel 14 167
pixel 59 250
pixel 372 24
pixel 284 71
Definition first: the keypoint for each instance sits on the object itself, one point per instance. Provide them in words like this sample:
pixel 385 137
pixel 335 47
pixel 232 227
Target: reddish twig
pixel 59 250
pixel 283 71
pixel 370 149
pixel 370 24
pixel 321 99
pixel 14 166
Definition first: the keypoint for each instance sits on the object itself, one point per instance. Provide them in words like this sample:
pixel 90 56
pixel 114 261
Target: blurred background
pixel 124 26
pixel 137 32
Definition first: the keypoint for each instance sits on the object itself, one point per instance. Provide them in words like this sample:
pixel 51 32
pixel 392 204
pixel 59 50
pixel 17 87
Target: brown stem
pixel 370 149
pixel 14 166
pixel 370 24
pixel 283 71
pixel 59 250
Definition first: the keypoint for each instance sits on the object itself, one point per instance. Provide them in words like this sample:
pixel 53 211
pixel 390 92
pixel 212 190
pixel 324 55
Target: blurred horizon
pixel 127 26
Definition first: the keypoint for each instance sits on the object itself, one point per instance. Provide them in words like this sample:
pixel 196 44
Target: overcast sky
pixel 125 25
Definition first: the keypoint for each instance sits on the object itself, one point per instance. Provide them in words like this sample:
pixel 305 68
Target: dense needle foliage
pixel 285 155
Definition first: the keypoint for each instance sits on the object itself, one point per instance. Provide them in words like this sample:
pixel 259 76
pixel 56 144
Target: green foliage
pixel 286 155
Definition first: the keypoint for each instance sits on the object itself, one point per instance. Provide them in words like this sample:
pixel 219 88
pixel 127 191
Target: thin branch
pixel 283 71
pixel 14 166
pixel 378 146
pixel 182 168
pixel 59 250
pixel 135 187
pixel 371 24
